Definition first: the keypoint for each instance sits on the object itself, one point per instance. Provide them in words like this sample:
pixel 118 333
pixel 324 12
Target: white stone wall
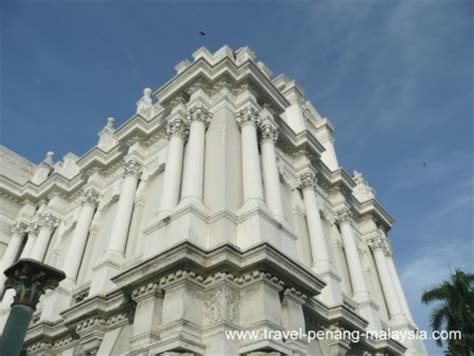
pixel 225 157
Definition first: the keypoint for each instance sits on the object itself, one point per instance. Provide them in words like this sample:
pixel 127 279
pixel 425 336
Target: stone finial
pixel 110 126
pixel 362 190
pixel 49 158
pixel 357 177
pixel 145 104
pixel 107 139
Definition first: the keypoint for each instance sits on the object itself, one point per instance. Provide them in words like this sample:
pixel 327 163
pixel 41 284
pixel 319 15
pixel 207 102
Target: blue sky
pixel 396 78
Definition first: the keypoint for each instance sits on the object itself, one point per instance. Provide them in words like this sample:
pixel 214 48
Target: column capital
pixel 132 167
pixel 248 116
pixel 269 133
pixel 376 243
pixel 344 216
pixel 33 228
pixel 30 279
pixel 48 220
pixel 19 228
pixel 177 127
pixel 199 114
pixel 308 180
pixel 90 197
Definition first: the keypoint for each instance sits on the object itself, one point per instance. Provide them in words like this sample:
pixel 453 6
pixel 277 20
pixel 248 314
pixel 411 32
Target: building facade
pixel 219 206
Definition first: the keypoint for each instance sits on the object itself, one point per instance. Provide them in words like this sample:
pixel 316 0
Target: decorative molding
pixel 146 291
pixel 222 304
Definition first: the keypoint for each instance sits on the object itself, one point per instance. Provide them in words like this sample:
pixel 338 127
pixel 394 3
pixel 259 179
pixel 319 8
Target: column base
pixel 103 272
pixel 253 204
pixel 195 202
pixel 56 301
pixel 331 295
pixel 370 312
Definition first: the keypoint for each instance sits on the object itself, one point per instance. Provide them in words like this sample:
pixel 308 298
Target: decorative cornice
pixel 19 228
pixel 177 128
pixel 248 116
pixel 132 167
pixel 221 84
pixel 199 114
pixel 198 84
pixel 308 180
pixel 146 291
pixel 89 197
pixel 177 100
pixel 269 133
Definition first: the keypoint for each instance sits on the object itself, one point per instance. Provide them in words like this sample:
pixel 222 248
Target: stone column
pixel 271 179
pixel 18 232
pixel 397 283
pixel 359 286
pixel 394 308
pixel 322 265
pixel 123 215
pixel 319 248
pixel 33 230
pixel 89 199
pixel 193 176
pixel 177 132
pixel 248 120
pixel 47 223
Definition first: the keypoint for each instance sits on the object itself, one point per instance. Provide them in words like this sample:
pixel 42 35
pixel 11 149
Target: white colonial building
pixel 220 205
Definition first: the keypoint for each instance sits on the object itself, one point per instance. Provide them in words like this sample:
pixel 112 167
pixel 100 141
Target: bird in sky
pixel 424 164
pixel 202 33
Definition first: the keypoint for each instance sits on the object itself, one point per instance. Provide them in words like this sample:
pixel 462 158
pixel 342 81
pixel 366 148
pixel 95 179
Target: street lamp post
pixel 30 279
